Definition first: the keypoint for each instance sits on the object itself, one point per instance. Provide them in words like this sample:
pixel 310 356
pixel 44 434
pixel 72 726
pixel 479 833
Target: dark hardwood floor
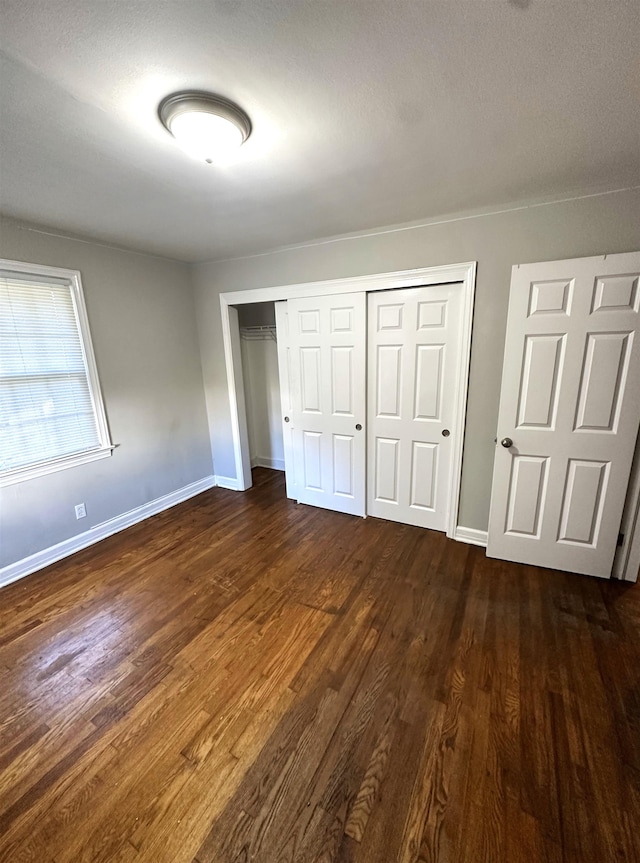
pixel 244 679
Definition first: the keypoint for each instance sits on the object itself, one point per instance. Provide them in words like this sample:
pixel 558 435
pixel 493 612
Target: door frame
pixel 464 273
pixel 626 563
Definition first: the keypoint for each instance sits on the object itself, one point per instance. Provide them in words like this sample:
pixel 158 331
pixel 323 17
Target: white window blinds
pixel 47 407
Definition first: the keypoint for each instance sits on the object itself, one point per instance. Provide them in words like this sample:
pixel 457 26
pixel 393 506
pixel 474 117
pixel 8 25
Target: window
pixel 51 410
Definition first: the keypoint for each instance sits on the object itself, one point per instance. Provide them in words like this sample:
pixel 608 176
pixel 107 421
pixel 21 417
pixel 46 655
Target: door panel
pixel 386 470
pixel 414 343
pixel 342 384
pixel 343 461
pixel 584 493
pixel 428 382
pixel 526 495
pixel 431 313
pixel 389 382
pixel 311 384
pixel 616 292
pixel 327 361
pixel 571 405
pixel 603 381
pixel 424 472
pixel 312 461
pixel 539 386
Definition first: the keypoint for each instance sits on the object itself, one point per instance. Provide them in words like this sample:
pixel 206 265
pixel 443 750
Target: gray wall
pixel 595 225
pixel 142 319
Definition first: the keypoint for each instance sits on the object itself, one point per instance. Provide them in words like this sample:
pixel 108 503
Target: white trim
pixel 414 226
pixel 73 280
pixel 627 559
pixel 355 284
pixel 462 391
pixel 235 382
pixel 22 474
pixel 471 535
pixel 271 463
pixel 229 482
pixel 88 241
pixel 465 273
pixel 50 555
pixel 631 569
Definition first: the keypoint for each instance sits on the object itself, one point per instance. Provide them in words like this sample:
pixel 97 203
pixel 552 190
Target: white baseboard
pixel 21 568
pixel 50 555
pixel 471 535
pixel 272 463
pixel 228 482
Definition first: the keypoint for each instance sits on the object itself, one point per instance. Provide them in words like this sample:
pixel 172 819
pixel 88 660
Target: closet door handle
pixel 286 419
pixel 358 427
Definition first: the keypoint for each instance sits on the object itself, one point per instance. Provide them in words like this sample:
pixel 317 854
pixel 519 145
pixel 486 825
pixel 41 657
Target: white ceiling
pixel 365 113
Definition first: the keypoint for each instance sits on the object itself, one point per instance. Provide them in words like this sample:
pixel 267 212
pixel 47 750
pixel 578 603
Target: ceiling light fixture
pixel 205 126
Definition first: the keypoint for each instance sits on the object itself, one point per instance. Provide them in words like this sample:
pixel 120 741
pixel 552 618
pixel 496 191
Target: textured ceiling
pixel 364 113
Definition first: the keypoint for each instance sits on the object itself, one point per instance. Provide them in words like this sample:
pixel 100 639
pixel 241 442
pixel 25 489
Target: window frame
pixel 73 279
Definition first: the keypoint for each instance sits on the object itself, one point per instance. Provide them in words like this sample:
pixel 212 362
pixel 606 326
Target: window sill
pixel 34 471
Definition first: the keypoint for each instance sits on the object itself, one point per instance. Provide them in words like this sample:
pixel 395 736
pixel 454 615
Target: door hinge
pixel 620 540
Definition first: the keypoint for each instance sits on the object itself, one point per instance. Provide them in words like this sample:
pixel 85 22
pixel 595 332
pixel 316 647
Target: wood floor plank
pixel 244 679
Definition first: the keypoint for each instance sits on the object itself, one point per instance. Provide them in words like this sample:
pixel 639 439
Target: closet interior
pixel 261 384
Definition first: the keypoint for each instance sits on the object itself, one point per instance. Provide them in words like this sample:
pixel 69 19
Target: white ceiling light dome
pixel 206 126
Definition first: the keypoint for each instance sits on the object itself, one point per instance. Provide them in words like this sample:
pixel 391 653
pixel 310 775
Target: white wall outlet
pixel 81 510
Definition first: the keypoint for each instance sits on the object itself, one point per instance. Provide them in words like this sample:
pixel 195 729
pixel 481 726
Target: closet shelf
pixel 258 333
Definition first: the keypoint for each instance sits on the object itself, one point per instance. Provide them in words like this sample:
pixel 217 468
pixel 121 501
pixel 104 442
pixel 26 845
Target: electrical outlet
pixel 81 510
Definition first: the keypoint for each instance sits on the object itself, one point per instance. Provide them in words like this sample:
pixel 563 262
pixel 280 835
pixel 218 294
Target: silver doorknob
pixel 506 442
pixel 358 427
pixel 286 419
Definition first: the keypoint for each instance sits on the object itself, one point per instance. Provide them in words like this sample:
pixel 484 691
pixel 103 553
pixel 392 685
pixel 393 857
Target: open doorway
pixel 259 352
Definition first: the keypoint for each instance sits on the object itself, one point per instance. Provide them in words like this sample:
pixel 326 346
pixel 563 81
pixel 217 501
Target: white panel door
pixel 569 413
pixel 327 377
pixel 414 348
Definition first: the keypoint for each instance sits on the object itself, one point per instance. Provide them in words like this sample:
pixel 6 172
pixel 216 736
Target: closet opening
pixel 259 353
pixel 264 394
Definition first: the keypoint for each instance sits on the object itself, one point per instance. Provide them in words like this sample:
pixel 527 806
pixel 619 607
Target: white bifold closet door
pixel 327 356
pixel 413 371
pixel 569 413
